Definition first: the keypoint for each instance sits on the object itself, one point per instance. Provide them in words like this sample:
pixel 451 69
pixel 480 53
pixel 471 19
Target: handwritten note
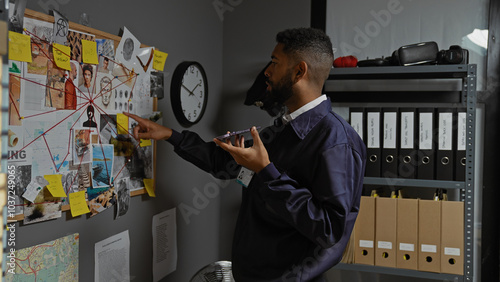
pixel 159 60
pixel 122 123
pixel 19 47
pixel 62 56
pixel 149 184
pixel 55 185
pixel 89 52
pixel 78 204
pixel 32 191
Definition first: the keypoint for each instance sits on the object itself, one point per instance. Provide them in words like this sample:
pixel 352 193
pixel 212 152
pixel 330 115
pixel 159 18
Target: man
pixel 300 205
pixel 70 96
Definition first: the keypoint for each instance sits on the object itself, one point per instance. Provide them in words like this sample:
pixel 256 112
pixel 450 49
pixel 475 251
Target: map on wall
pixel 52 261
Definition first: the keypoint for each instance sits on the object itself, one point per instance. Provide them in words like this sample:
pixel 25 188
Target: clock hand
pixel 190 92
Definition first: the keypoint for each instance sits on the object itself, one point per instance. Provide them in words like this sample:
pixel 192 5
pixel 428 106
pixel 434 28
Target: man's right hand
pixel 147 129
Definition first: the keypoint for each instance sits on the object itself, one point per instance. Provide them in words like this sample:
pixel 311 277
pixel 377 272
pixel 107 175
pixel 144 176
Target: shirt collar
pixel 306 121
pixel 288 117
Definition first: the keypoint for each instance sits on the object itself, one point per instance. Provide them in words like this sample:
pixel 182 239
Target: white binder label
pixel 384 245
pixel 445 131
pixel 407 130
pixel 425 131
pixel 357 123
pixel 406 247
pixel 390 130
pixel 373 127
pixel 452 251
pixel 366 244
pixel 461 131
pixel 428 248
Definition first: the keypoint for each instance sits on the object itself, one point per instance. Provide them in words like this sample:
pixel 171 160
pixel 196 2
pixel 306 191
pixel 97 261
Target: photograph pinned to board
pixel 128 49
pixel 157 84
pixel 105 64
pixel 86 83
pixel 122 191
pixel 55 86
pixel 70 87
pixel 106 47
pixel 21 181
pixel 82 152
pixel 44 207
pixel 74 41
pixel 41 34
pixel 100 199
pixel 102 165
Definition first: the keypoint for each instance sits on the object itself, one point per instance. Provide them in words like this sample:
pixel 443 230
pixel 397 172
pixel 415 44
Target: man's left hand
pixel 254 158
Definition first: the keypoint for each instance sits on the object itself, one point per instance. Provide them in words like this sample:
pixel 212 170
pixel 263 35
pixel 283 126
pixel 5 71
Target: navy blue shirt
pixel 297 214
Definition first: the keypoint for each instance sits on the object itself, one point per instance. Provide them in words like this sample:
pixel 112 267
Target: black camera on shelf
pixel 454 55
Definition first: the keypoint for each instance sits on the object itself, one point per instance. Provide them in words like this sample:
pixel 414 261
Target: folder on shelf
pixel 364 232
pixel 357 120
pixel 426 148
pixel 445 155
pixel 407 167
pixel 373 144
pixel 389 162
pixel 460 160
pixel 429 235
pixel 452 237
pixel 385 231
pixel 407 234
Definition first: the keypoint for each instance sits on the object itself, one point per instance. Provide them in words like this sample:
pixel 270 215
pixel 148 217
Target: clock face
pixel 192 93
pixel 189 93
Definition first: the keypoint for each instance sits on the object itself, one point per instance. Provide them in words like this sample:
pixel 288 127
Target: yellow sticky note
pixel 78 204
pixel 55 185
pixel 149 184
pixel 62 56
pixel 89 52
pixel 19 47
pixel 159 60
pixel 122 123
pixel 145 142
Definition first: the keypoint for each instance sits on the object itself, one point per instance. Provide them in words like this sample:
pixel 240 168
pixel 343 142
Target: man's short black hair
pixel 310 45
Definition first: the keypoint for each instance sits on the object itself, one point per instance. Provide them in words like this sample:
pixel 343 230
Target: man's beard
pixel 281 91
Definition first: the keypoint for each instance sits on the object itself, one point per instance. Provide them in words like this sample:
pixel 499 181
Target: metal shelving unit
pixel 467 75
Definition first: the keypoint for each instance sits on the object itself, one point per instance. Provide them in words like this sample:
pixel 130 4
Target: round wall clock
pixel 189 93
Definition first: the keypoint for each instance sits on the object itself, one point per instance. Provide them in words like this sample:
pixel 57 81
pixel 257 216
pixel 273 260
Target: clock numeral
pixel 194 113
pixel 199 105
pixel 191 69
pixel 201 93
pixel 189 116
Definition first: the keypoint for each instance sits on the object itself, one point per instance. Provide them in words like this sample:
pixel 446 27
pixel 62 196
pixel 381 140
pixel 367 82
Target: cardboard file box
pixel 364 232
pixel 407 234
pixel 452 237
pixel 429 235
pixel 385 231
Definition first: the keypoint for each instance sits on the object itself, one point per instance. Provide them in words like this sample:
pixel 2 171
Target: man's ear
pixel 300 71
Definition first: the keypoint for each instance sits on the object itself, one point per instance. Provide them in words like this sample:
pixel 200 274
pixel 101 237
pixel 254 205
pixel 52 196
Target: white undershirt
pixel 288 117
